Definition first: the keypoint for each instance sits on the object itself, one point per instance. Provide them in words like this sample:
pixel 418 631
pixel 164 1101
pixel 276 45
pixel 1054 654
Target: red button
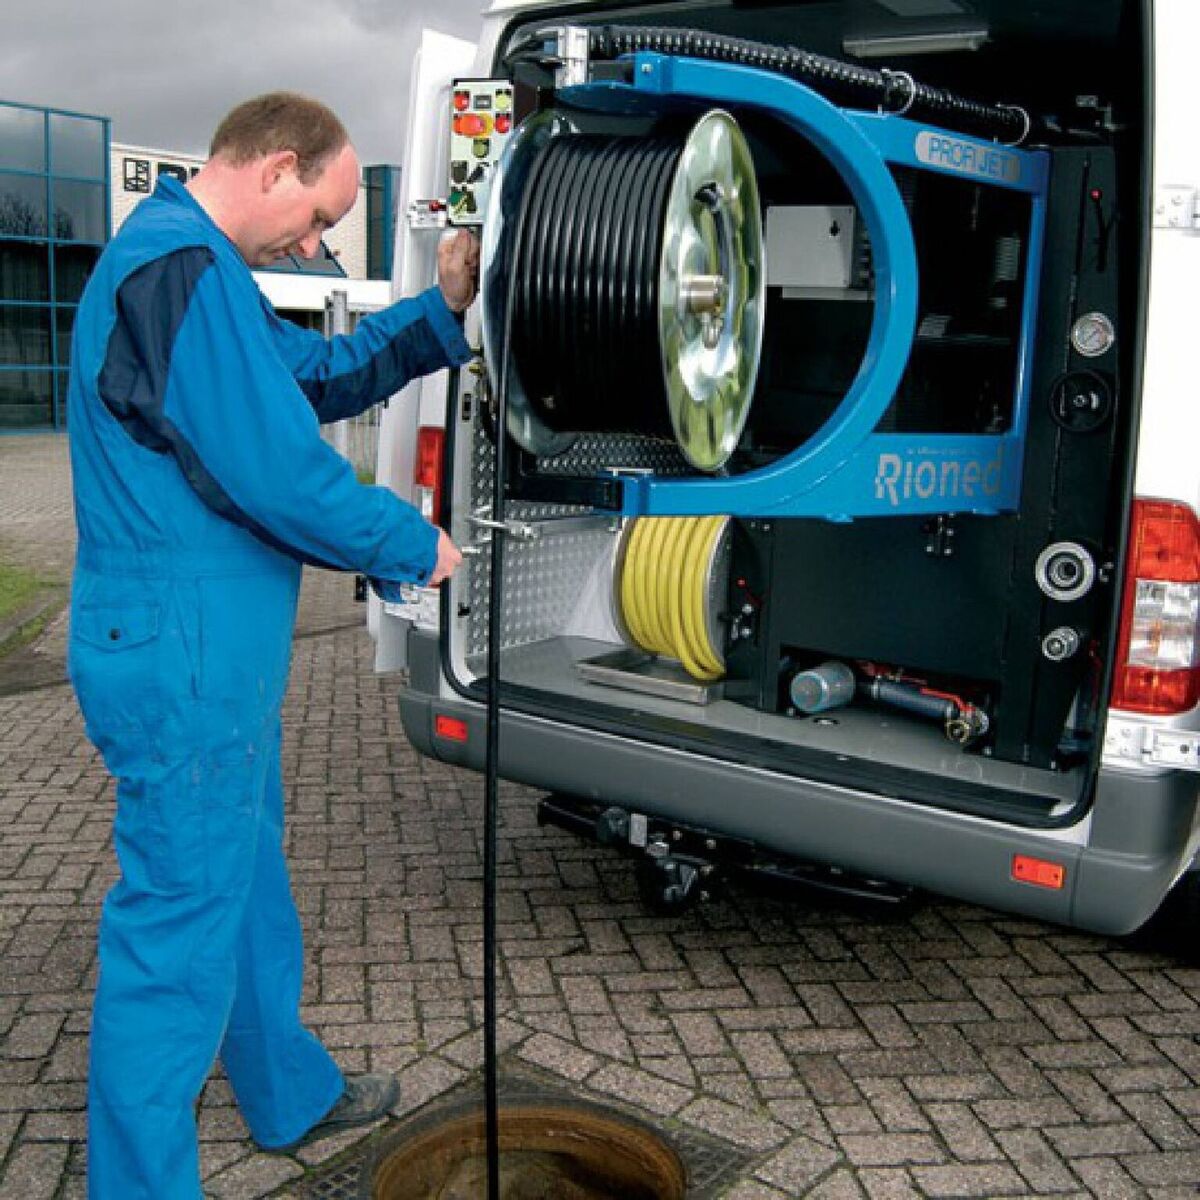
pixel 461 100
pixel 471 125
pixel 503 122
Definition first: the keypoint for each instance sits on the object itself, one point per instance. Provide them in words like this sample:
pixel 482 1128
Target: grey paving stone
pixel 988 1180
pixel 892 1149
pixel 798 1165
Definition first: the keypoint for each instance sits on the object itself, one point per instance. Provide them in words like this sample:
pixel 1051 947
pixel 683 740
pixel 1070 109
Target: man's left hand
pixel 458 269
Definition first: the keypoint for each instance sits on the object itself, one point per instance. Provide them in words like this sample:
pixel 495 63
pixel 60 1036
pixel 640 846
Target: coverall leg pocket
pixel 232 806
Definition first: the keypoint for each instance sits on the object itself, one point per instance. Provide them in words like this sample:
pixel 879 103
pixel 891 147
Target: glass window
pixel 22 139
pixel 76 146
pixel 26 398
pixel 63 381
pixel 64 319
pixel 78 211
pixel 22 205
pixel 24 336
pixel 72 266
pixel 137 174
pixel 24 272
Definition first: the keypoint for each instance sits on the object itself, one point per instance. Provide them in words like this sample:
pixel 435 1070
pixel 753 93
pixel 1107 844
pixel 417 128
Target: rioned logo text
pixel 924 477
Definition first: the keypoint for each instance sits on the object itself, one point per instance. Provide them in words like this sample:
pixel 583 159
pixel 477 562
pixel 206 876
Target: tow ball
pixel 669 884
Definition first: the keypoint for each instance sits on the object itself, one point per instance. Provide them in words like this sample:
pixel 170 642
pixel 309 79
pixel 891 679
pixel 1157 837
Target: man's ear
pixel 277 168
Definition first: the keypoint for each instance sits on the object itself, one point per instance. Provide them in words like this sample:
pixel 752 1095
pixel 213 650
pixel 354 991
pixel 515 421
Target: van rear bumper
pixel 1119 860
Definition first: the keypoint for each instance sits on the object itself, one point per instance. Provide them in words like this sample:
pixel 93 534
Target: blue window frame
pixel 54 222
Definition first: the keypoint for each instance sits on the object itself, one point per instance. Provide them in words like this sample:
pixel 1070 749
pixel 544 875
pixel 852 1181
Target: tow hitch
pixel 679 865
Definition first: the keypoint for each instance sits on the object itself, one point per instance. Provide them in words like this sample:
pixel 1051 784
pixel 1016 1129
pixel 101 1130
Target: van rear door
pixel 440 59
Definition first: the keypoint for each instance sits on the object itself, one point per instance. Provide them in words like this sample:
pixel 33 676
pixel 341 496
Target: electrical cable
pixel 829 76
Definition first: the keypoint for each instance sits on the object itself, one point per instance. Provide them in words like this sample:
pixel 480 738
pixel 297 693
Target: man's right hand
pixel 458 268
pixel 448 559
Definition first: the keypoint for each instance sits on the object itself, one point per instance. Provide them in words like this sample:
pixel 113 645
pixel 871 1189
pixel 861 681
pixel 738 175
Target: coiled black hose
pixel 585 325
pixel 892 91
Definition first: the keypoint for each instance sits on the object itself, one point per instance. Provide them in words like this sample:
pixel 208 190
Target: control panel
pixel 481 123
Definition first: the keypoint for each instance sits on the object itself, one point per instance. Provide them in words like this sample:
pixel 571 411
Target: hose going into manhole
pixel 492 758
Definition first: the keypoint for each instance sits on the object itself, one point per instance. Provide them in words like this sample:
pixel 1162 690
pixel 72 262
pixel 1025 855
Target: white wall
pixel 307 293
pixel 347 240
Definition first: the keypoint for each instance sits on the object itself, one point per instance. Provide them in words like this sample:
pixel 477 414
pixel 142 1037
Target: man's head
pixel 281 171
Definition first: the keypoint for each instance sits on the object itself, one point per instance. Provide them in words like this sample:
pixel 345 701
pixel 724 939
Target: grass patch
pixel 17 588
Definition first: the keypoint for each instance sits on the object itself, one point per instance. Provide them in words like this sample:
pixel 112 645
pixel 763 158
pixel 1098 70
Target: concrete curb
pixel 46 605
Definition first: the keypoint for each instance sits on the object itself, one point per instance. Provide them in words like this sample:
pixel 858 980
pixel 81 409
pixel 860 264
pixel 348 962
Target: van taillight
pixel 427 471
pixel 1157 667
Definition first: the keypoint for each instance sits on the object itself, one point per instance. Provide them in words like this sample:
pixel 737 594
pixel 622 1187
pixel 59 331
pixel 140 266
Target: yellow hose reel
pixel 669 586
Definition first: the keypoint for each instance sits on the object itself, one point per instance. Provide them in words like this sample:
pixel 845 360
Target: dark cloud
pixel 166 72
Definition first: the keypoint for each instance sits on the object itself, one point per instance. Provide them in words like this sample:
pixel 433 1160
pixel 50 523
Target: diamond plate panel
pixel 543 580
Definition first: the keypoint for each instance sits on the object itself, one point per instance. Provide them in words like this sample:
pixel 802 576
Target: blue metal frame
pixel 846 469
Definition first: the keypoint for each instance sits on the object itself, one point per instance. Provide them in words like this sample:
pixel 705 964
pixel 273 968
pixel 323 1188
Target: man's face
pixel 294 215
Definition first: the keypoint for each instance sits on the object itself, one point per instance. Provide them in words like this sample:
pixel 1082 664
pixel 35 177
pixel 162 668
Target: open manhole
pixel 547 1152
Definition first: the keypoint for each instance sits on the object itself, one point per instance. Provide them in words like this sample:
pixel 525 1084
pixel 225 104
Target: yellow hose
pixel 663 586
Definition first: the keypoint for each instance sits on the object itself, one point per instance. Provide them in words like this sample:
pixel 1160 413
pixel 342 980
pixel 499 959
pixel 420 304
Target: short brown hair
pixel 281 121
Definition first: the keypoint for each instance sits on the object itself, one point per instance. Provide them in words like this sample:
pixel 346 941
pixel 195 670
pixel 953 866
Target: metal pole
pixel 337 321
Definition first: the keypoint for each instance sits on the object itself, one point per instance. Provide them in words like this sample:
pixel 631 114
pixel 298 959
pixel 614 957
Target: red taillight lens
pixel 427 470
pixel 1157 668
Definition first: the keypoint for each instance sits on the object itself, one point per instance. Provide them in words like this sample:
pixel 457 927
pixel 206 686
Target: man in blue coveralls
pixel 201 486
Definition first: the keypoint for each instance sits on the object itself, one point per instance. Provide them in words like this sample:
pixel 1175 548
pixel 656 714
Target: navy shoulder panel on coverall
pixel 201 484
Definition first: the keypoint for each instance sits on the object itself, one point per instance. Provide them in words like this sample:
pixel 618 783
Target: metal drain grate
pixel 712 1164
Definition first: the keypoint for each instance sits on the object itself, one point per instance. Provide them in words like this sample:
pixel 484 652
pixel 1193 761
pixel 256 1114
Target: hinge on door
pixel 1177 207
pixel 1174 748
pixel 571 53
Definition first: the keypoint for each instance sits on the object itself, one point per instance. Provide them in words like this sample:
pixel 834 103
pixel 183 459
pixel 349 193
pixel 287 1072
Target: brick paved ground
pixel 947 1052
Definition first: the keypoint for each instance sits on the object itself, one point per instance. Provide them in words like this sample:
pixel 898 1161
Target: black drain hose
pixel 892 91
pixel 585 328
pixel 492 756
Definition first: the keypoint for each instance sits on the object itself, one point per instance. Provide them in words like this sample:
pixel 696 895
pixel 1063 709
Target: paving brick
pixel 640 1088
pixel 1038 1162
pixel 1078 1141
pixel 750 1189
pixel 882 1183
pixel 1165 1168
pixel 946 1050
pixel 33 1171
pixel 986 1180
pixel 734 1124
pixel 798 1165
pixel 891 1149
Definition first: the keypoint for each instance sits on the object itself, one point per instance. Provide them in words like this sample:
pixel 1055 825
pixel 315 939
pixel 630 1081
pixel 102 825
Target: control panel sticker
pixel 481 122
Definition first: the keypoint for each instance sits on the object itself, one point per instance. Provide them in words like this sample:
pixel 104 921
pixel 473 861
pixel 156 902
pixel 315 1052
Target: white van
pixel 848 482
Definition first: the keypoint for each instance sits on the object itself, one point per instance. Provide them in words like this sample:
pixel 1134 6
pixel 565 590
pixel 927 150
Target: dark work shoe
pixel 367 1098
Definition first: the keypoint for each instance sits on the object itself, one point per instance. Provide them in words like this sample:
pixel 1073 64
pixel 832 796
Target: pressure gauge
pixel 1093 335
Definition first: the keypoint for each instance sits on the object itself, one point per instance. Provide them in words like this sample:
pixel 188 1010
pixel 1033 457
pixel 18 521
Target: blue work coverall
pixel 201 485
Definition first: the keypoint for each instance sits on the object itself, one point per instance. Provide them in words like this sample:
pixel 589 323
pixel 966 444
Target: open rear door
pixel 439 60
pixel 1170 424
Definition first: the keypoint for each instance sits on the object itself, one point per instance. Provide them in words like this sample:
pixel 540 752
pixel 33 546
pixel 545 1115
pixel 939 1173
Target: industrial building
pixel 66 187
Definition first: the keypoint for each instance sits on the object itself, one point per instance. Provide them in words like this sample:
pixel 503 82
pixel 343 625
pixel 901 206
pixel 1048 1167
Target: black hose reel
pixel 639 285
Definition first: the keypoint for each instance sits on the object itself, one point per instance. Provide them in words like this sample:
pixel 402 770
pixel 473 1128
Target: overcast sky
pixel 166 71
